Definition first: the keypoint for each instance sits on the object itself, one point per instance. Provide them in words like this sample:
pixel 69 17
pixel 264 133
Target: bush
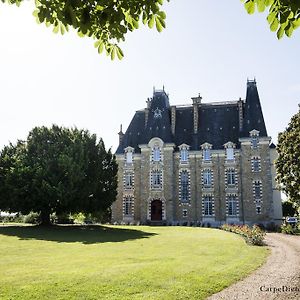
pixel 289 229
pixel 253 236
pixel 32 218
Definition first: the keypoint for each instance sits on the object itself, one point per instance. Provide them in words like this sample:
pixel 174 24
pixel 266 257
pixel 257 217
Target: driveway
pixel 278 278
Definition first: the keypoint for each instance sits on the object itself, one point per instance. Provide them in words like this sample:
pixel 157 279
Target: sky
pixel 209 47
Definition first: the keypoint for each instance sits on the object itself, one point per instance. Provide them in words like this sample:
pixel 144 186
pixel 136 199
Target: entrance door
pixel 156 210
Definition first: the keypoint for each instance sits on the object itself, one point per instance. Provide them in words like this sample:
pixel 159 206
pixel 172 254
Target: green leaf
pixel 280 32
pixel 160 24
pixel 274 25
pixel 56 29
pixel 261 5
pixel 271 17
pixel 119 52
pixel 113 53
pixel 250 6
pixel 100 47
pixel 289 30
pixel 151 21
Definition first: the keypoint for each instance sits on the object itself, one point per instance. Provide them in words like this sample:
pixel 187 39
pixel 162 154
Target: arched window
pixel 232 205
pixel 183 155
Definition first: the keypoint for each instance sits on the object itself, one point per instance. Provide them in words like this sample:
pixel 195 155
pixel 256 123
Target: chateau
pixel 203 163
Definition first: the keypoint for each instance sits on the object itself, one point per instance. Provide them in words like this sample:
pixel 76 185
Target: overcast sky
pixel 209 47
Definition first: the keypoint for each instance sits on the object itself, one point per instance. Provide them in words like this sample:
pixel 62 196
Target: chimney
pixel 196 104
pixel 147 111
pixel 121 135
pixel 173 119
pixel 240 107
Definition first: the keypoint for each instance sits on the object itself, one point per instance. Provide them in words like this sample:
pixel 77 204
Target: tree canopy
pixel 283 15
pixel 57 170
pixel 288 162
pixel 108 21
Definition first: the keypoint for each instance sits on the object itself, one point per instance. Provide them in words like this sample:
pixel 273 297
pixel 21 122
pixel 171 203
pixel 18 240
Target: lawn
pixel 115 262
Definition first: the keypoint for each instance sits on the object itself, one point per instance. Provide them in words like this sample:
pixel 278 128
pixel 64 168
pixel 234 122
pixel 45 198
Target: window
pixel 257 189
pixel 231 177
pixel 156 179
pixel 232 205
pixel 184 186
pixel 254 142
pixel 255 164
pixel 129 157
pixel 207 178
pixel 184 212
pixel 183 155
pixel 258 209
pixel 206 154
pixel 128 180
pixel 128 206
pixel 229 154
pixel 208 207
pixel 156 154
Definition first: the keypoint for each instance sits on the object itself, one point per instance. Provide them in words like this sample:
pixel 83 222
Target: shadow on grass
pixel 86 234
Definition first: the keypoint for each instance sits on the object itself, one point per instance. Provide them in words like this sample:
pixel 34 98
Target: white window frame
pixel 128 180
pixel 230 177
pixel 206 154
pixel 230 153
pixel 184 156
pixel 156 154
pixel 208 205
pixel 232 206
pixel 207 177
pixel 129 157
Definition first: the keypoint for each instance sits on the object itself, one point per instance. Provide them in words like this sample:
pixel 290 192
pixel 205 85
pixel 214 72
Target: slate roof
pixel 218 123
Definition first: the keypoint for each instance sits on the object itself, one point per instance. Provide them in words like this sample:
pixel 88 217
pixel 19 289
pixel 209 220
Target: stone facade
pixel 176 169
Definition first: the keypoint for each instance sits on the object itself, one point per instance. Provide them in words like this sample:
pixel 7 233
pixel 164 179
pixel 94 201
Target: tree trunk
pixel 45 218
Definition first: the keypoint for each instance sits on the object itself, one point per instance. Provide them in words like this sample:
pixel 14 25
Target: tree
pixel 57 170
pixel 106 21
pixel 288 209
pixel 283 16
pixel 288 163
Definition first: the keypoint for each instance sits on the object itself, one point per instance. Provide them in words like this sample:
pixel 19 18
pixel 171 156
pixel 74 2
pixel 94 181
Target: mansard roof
pixel 218 123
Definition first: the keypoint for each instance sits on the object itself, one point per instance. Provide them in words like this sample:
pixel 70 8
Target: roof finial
pixel 163 87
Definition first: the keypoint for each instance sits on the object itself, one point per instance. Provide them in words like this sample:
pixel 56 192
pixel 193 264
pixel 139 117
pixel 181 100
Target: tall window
pixel 183 155
pixel 156 154
pixel 208 206
pixel 128 206
pixel 254 142
pixel 129 157
pixel 128 180
pixel 206 154
pixel 255 164
pixel 156 179
pixel 184 186
pixel 207 177
pixel 232 205
pixel 257 190
pixel 231 176
pixel 229 154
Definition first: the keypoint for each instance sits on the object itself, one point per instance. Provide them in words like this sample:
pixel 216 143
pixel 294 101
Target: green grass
pixel 115 262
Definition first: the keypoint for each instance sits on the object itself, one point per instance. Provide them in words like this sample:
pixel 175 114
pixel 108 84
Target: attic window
pixel 129 157
pixel 206 154
pixel 229 154
pixel 156 154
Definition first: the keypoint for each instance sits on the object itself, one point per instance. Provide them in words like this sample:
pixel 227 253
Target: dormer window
pixel 206 154
pixel 156 154
pixel 229 154
pixel 184 153
pixel 229 148
pixel 129 155
pixel 206 148
pixel 254 134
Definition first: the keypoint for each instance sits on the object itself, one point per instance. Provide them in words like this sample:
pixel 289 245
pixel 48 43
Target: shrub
pixel 289 229
pixel 32 218
pixel 253 236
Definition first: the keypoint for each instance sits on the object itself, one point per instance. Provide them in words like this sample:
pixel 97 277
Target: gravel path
pixel 278 278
